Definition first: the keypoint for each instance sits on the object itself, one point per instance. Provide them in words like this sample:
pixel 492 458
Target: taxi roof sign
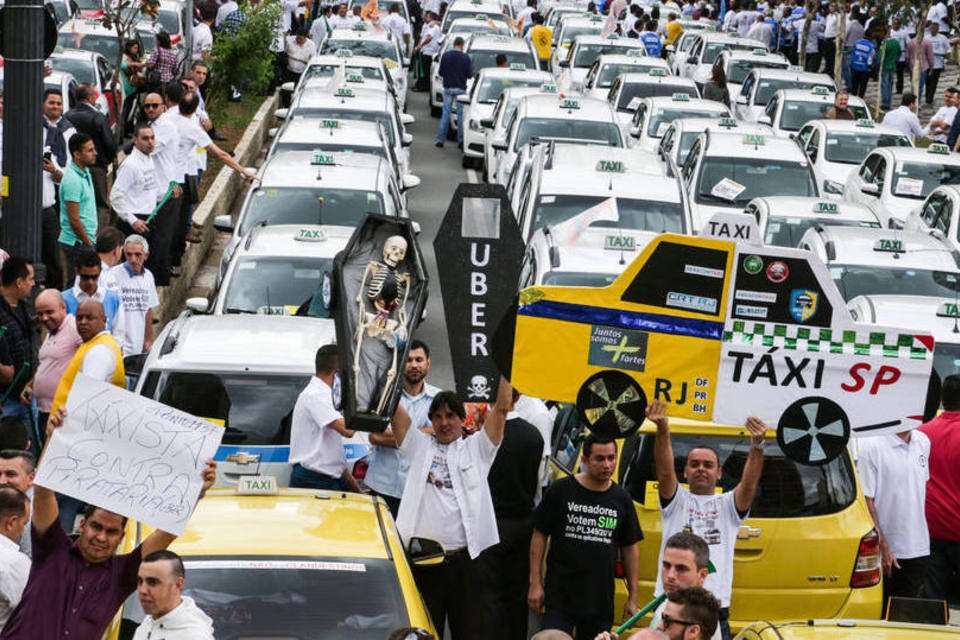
pixel 610 166
pixel 321 158
pixel 889 245
pixel 620 243
pixel 657 72
pixel 759 51
pixel 518 66
pixel 865 122
pixel 310 235
pixel 755 139
pixel 344 53
pixel 636 52
pixel 680 97
pixel 820 91
pixel 354 77
pixel 826 207
pixel 257 486
pixel 568 103
pixel 939 148
pixel 360 26
pixel 344 92
pixel 329 124
pixel 548 88
pixel 728 122
pixel 948 310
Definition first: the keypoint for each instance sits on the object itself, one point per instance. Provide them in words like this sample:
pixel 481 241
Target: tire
pixel 611 404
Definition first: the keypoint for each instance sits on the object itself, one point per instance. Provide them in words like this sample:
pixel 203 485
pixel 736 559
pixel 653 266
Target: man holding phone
pixel 56 138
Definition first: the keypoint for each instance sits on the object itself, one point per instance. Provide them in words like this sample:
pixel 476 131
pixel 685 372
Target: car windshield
pixel 255 409
pixel 486 59
pixel 917 179
pixel 169 21
pixel 587 54
pixel 491 88
pixel 337 114
pixel 304 205
pixel 738 70
pixel 453 15
pixel 104 45
pixel 293 145
pixel 547 128
pixel 786 232
pixel 686 143
pixel 572 32
pixel 645 215
pixel 577 279
pixel 736 181
pixel 316 71
pixel 277 286
pixel 82 70
pixel 374 48
pixel 609 72
pixel 307 598
pixel 853 147
pixel 767 88
pixel 642 90
pixel 662 118
pixel 867 280
pixel 713 50
pixel 797 113
pixel 946 358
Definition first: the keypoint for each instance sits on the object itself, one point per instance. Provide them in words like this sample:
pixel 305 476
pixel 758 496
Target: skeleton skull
pixel 478 387
pixel 394 250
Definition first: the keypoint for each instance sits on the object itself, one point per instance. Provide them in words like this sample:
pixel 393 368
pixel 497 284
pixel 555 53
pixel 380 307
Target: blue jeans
pixel 886 89
pixel 303 478
pixel 449 98
pixel 923 84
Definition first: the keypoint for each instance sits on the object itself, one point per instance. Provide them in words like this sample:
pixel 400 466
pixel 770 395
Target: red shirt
pixel 943 488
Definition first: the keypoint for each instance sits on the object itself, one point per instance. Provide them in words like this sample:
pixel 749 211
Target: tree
pixel 241 56
pixel 839 42
pixel 809 16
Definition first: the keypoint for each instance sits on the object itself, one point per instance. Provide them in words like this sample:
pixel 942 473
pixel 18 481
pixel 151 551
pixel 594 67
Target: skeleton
pixel 479 388
pixel 382 314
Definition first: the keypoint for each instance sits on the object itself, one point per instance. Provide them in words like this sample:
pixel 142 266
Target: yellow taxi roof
pixel 297 522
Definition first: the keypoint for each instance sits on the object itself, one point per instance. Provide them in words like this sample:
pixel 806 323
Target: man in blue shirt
pixel 651 40
pixel 455 70
pixel 861 61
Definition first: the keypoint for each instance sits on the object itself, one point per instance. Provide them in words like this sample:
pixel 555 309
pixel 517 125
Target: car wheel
pixel 813 430
pixel 612 404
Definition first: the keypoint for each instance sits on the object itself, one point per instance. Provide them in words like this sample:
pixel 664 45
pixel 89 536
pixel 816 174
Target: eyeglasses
pixel 668 620
pixel 152 105
pixel 88 276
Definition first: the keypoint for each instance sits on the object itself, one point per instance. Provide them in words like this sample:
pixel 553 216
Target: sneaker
pixel 439 145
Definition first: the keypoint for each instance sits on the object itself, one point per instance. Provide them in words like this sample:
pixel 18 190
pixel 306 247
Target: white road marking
pixel 472 176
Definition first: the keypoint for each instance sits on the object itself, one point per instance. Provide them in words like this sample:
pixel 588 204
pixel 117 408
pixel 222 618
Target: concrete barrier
pixel 218 199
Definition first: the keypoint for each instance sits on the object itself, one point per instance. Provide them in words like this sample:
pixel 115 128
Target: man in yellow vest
pixel 98 357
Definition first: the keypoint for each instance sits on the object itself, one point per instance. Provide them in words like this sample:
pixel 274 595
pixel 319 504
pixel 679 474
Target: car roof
pixel 735 145
pixel 349 33
pixel 296 240
pixel 550 105
pixel 693 104
pixel 348 61
pixel 636 77
pixel 801 207
pixel 310 130
pixel 855 246
pixel 222 343
pixel 651 62
pixel 791 74
pixel 587 254
pixel 642 176
pixel 351 171
pixel 740 54
pixel 916 313
pixel 300 525
pixel 473 5
pixel 89 26
pixel 81 54
pixel 501 72
pixel 917 154
pixel 613 39
pixel 806 95
pixel 483 41
pixel 685 125
pixel 857 127
pixel 363 99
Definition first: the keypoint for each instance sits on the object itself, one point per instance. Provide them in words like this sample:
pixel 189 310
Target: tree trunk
pixel 809 15
pixel 881 57
pixel 838 44
pixel 916 66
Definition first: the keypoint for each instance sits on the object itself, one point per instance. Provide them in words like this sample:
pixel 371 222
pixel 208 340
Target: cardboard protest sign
pixel 129 454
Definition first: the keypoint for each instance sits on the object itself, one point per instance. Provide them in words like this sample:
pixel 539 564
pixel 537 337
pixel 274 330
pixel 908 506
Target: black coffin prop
pixel 377 304
pixel 479 250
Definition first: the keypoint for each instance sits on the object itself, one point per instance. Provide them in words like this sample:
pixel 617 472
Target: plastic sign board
pixel 568 103
pixel 866 123
pixel 826 207
pixel 610 166
pixel 681 97
pixel 890 245
pixel 820 91
pixel 948 310
pixel 739 227
pixel 518 66
pixel 344 92
pixel 321 158
pixel 939 148
pixel 657 72
pixel 329 124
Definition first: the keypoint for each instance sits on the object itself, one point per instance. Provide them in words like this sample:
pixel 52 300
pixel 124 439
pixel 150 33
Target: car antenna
pixel 320 214
pixel 268 299
pixel 956 301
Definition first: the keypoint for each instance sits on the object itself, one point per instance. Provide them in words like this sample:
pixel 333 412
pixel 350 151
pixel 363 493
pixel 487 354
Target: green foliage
pixel 242 58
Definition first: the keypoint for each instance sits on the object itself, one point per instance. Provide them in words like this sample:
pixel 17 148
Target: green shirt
pixel 891 54
pixel 77 186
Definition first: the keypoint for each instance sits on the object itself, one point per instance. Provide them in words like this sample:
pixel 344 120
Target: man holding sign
pixel 76 587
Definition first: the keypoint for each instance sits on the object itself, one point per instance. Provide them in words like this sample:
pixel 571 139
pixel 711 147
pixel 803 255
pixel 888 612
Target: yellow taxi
pixel 845 630
pixel 808 549
pixel 292 563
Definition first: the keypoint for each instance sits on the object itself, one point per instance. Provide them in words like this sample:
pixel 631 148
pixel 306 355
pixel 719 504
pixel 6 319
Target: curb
pixel 218 200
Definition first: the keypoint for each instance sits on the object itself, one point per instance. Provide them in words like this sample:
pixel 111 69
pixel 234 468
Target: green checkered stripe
pixel 813 339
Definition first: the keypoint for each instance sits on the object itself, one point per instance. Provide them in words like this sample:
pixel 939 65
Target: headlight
pixel 831 186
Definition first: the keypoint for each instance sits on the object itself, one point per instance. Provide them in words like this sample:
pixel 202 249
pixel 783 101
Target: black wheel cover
pixel 813 430
pixel 611 404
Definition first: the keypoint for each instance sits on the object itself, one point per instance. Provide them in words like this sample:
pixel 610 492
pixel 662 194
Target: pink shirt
pixel 55 354
pixel 943 488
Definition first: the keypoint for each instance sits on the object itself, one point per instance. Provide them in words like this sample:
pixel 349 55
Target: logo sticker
pixel 753 265
pixel 803 304
pixel 618 348
pixel 777 272
pixel 692 302
pixel 750 311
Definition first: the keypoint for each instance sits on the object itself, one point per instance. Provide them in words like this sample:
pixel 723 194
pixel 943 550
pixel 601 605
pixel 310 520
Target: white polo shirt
pixel 447 497
pixel 313 444
pixel 14 569
pixel 894 473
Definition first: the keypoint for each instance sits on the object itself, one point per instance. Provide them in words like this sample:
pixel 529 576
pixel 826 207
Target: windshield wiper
pixel 237 310
pixel 712 198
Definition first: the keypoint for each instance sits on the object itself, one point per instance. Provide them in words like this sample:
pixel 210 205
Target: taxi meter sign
pixel 720 329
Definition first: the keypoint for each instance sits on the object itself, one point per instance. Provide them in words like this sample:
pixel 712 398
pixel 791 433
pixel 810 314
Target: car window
pixel 880 173
pixel 930 210
pixel 306 205
pixel 754 177
pixel 863 280
pixel 868 168
pixel 851 147
pixel 276 286
pixel 917 180
pixel 813 146
pixel 691 161
pixel 546 128
pixel 528 270
pixel 943 220
pixel 771 110
pixel 747 85
pixel 663 273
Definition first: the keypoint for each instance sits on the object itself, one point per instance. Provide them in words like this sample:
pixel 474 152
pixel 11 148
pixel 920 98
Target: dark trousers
pixel 581 628
pixel 860 80
pixel 907 581
pixel 812 63
pixel 505 569
pixel 161 236
pixel 178 244
pixel 933 77
pixel 50 248
pixel 99 176
pixel 303 478
pixel 828 47
pixel 72 255
pixel 453 594
pixel 943 574
pixel 901 67
pixel 724 623
pixel 423 74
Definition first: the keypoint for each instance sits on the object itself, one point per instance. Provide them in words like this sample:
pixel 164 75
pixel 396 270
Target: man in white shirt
pixel 761 31
pixel 812 63
pixel 170 615
pixel 56 138
pixel 135 189
pixel 940 123
pixel 893 472
pixel 225 9
pixel 321 26
pixel 904 118
pixel 941 46
pixel 14 565
pixel 202 34
pixel 447 500
pixel 343 19
pixel 317 431
pixel 714 517
pixel 299 49
pixel 168 175
pixel 938 15
pixel 395 24
pixel 138 295
pixel 428 48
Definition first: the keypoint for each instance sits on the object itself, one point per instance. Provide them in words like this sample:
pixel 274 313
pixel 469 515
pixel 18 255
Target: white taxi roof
pixel 766 73
pixel 721 125
pixel 296 240
pixel 591 252
pixel 474 5
pixel 645 61
pixel 645 77
pixel 800 207
pixel 363 99
pixel 806 95
pixel 368 33
pixel 346 61
pixel 576 169
pixel 318 131
pixel 754 56
pixel 507 72
pixel 79 54
pixel 493 42
pixel 350 171
pixel 917 155
pixel 576 20
pixel 470 25
pixel 86 26
pixel 855 126
pixel 916 313
pixel 738 145
pixel 613 40
pixel 856 245
pixel 694 104
pixel 732 38
pixel 551 106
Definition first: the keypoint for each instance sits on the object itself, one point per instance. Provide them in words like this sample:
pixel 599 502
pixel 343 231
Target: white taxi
pixel 629 90
pixel 363 41
pixel 466 27
pixel 555 117
pixel 609 66
pixel 783 220
pixel 654 115
pixel 703 53
pixel 865 262
pixel 788 110
pixel 571 27
pixel 345 66
pixel 483 96
pixel 893 181
pixel 760 85
pixel 572 70
pixel 737 65
pixel 725 171
pixel 475 9
pixel 496 125
pixel 938 215
pixel 680 135
pixel 837 147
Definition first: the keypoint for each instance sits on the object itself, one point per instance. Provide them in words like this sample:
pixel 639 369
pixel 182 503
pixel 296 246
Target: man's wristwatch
pixel 759 446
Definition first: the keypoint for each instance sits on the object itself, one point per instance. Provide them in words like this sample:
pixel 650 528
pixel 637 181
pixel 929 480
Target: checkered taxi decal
pixel 862 343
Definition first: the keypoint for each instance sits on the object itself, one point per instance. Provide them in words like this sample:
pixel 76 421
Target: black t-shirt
pixel 586 529
pixel 514 475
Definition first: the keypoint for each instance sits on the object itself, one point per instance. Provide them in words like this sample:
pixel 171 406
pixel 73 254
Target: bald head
pixel 51 310
pixel 91 319
pixel 649 634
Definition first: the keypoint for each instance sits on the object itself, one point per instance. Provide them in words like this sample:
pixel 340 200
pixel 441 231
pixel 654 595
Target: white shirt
pixel 715 519
pixel 313 444
pixel 904 120
pixel 344 22
pixel 225 9
pixel 761 31
pixel 14 570
pixel 941 49
pixel 318 30
pixel 831 22
pixel 135 188
pixel 946 114
pixel 165 151
pixel 395 24
pixel 99 362
pixel 813 41
pixel 185 622
pixel 191 136
pixel 938 14
pixel 138 294
pixel 432 48
pixel 299 55
pixel 894 473
pixel 202 40
pixel 49 193
pixel 426 510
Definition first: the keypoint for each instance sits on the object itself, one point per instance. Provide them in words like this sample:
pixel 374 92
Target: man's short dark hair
pixel 950 392
pixel 592 439
pixel 537 17
pixel 189 103
pixel 91 509
pixel 458 41
pixel 394 8
pixel 327 359
pixel 13 433
pixel 199 63
pixel 689 541
pixel 29 461
pixel 52 92
pixel 500 59
pixel 15 267
pixel 81 92
pixel 447 400
pixel 140 127
pixel 420 344
pixel 109 238
pixel 700 607
pixel 88 259
pixel 78 141
pixel 716 453
pixel 908 99
pixel 176 563
pixel 173 91
pixel 13 502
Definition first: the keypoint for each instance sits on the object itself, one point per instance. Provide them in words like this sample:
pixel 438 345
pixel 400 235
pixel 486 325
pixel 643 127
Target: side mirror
pixel 223 222
pixel 635 132
pixel 410 181
pixel 463 98
pixel 870 189
pixel 198 305
pixel 692 60
pixel 406 118
pixel 670 48
pixel 741 99
pixel 406 140
pixel 423 551
pixel 415 226
pixel 499 145
pixel 486 123
pixel 281 114
pixel 765 119
pixel 272 132
pixel 564 64
pixel 288 87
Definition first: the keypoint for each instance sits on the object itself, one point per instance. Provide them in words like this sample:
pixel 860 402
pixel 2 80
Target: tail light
pixel 867 569
pixel 360 469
